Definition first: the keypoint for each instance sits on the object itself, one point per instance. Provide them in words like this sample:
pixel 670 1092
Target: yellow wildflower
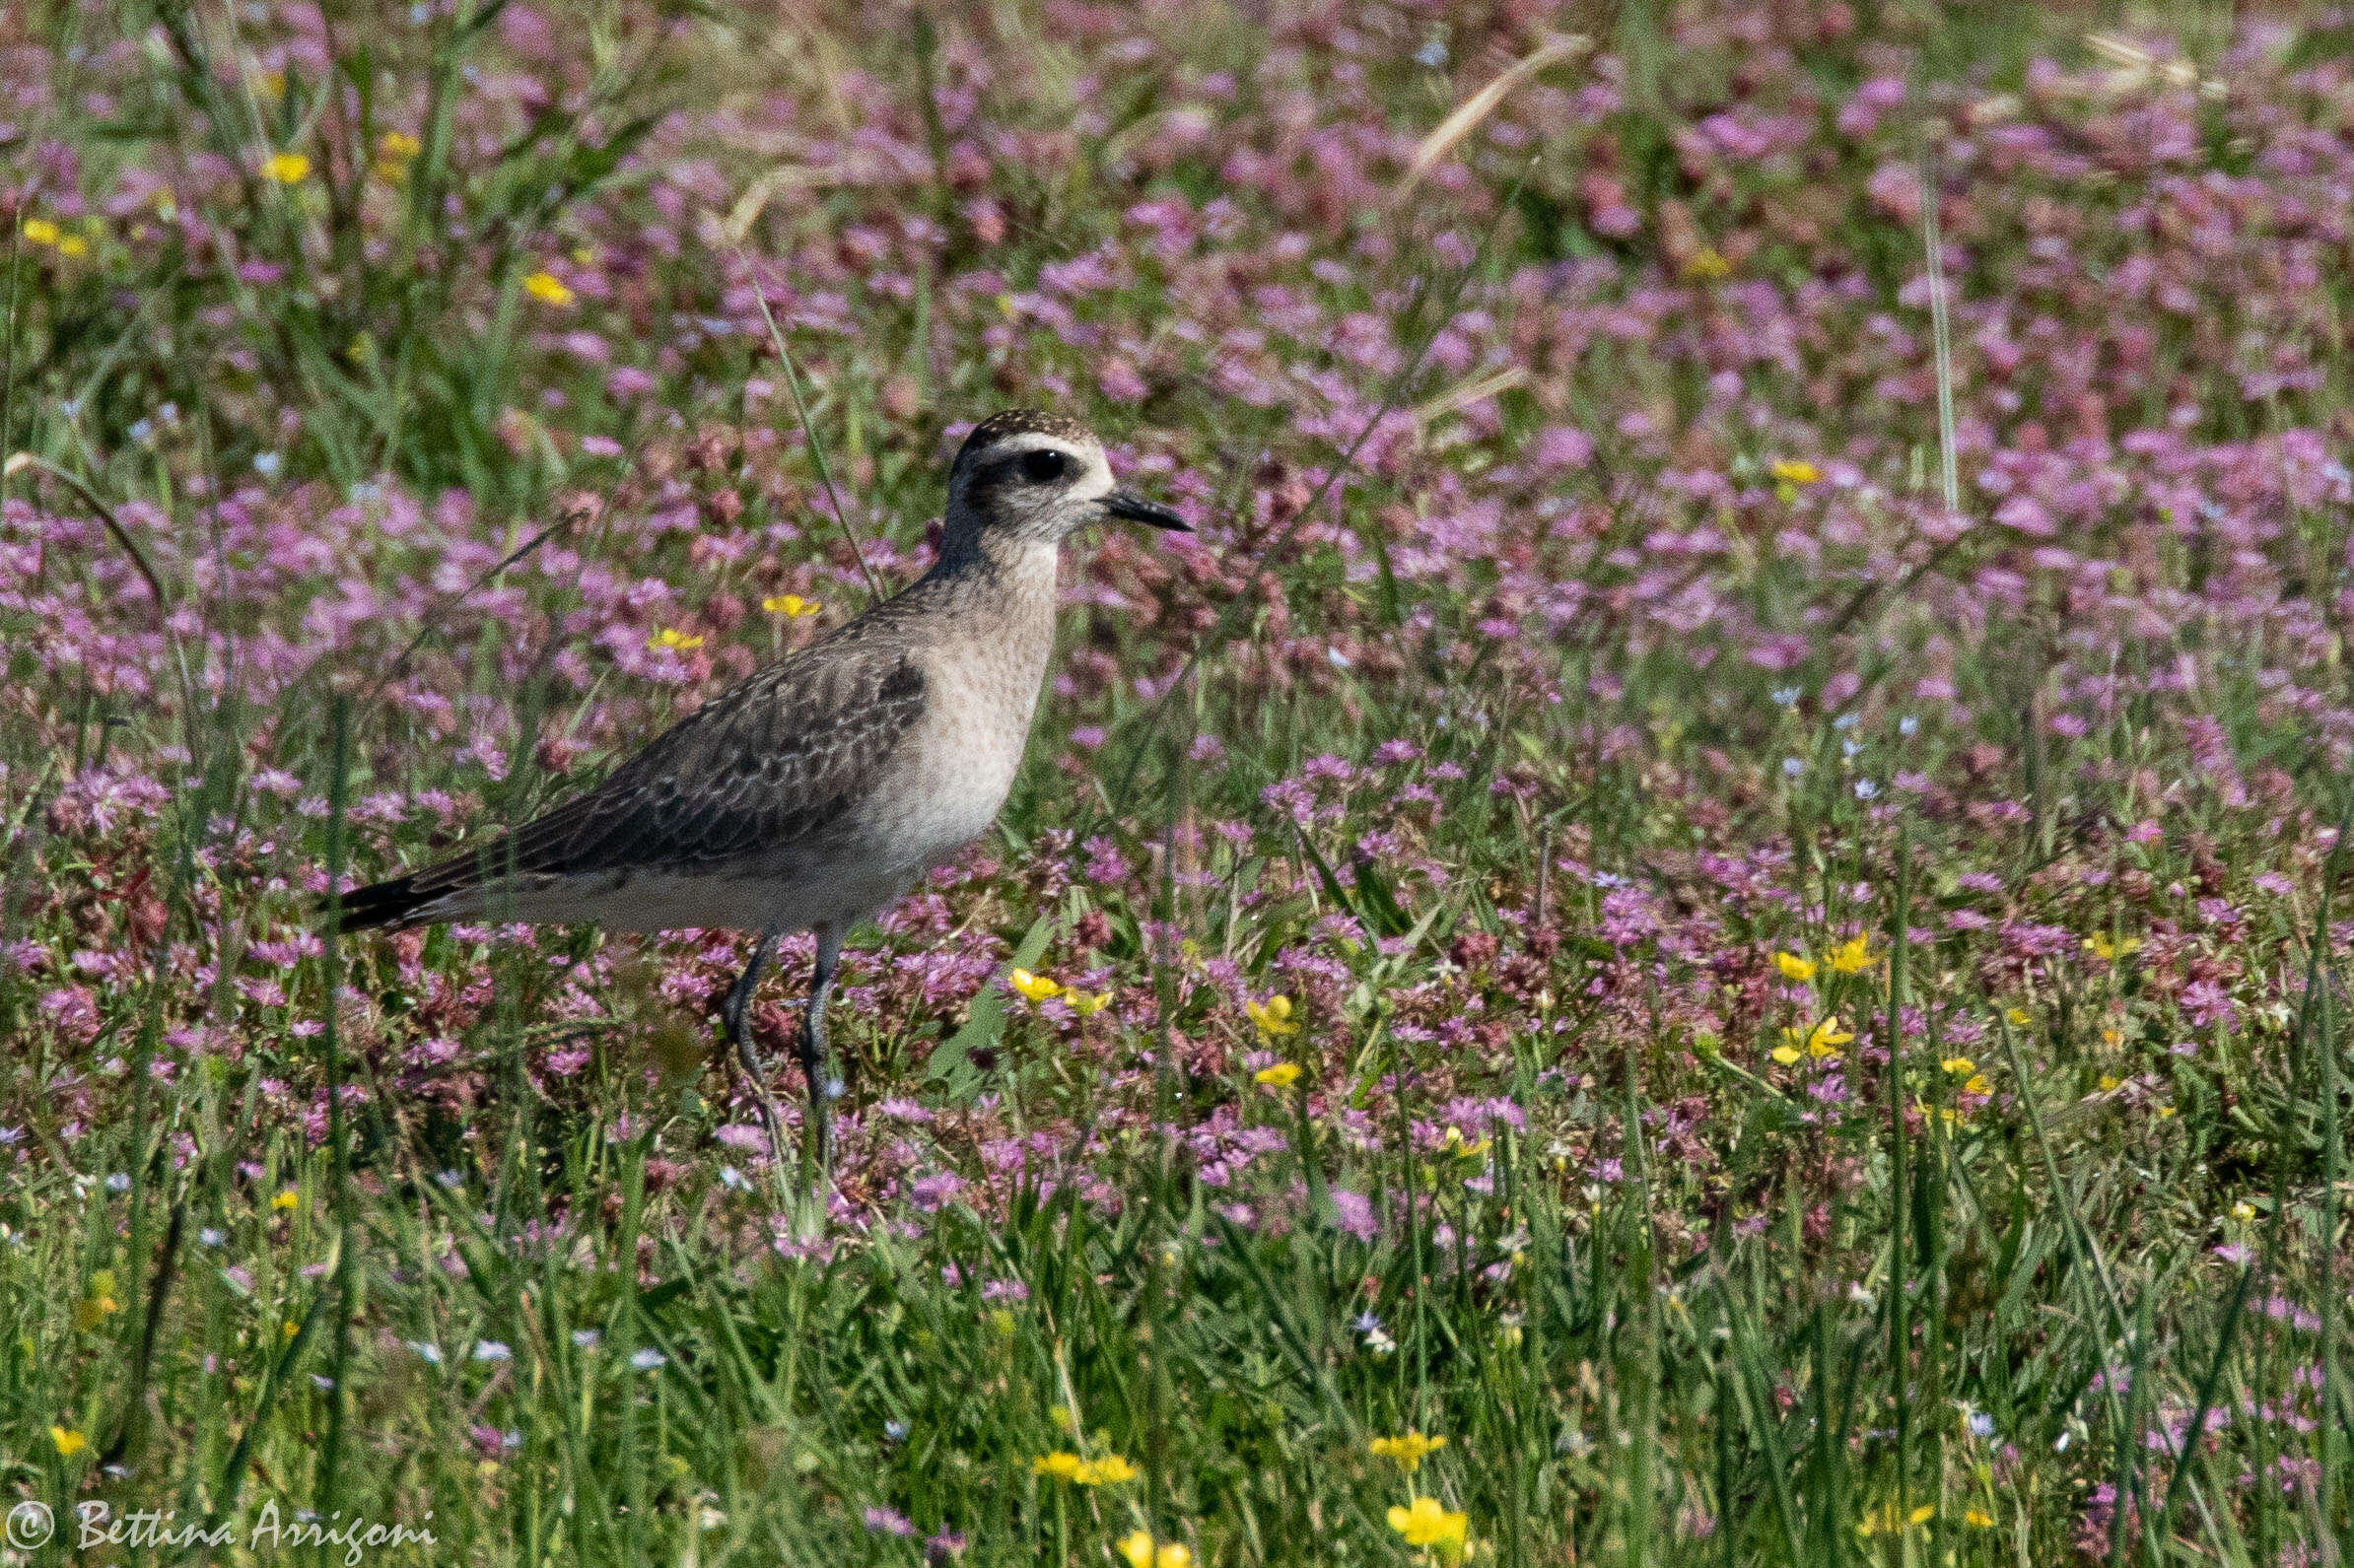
pixel 1453 1143
pixel 1273 1016
pixel 1795 967
pixel 547 289
pixel 2242 1212
pixel 1061 1466
pixel 1959 1066
pixel 1280 1077
pixel 1977 1084
pixel 286 1199
pixel 1067 1467
pixel 1408 1449
pixel 2018 1017
pixel 286 168
pixel 1884 1519
pixel 1978 1519
pixel 1707 264
pixel 1087 1003
pixel 1424 1522
pixel 791 606
pixel 1141 1551
pixel 73 245
pixel 1037 988
pixel 39 230
pixel 2109 1081
pixel 1796 471
pixel 1853 956
pixel 1824 1040
pixel 69 1442
pixel 394 150
pixel 671 638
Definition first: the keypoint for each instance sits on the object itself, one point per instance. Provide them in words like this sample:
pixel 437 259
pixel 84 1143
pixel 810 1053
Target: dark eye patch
pixel 1043 467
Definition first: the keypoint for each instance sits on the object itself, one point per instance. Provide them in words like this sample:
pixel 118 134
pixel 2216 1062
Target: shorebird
pixel 812 794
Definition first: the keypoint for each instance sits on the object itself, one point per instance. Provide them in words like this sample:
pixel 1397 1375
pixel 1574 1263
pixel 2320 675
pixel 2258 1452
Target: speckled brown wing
pixel 767 764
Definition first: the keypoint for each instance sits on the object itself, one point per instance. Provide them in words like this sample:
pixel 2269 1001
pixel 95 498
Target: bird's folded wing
pixel 761 767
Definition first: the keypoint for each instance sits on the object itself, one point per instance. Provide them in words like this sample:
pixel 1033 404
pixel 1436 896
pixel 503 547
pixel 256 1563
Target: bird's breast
pixel 959 761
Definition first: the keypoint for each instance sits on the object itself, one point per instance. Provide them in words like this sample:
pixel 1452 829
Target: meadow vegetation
pixel 1701 924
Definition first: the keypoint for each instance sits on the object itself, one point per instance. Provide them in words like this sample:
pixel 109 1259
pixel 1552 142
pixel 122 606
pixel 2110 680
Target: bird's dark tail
pixel 383 906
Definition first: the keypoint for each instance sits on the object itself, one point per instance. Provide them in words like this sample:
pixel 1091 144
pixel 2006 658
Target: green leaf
pixel 1375 907
pixel 1375 899
pixel 952 1066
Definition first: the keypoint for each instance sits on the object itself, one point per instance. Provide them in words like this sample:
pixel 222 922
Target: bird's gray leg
pixel 816 1062
pixel 740 1035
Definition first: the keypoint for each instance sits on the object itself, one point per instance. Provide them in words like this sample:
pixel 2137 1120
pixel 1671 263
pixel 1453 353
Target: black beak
pixel 1129 507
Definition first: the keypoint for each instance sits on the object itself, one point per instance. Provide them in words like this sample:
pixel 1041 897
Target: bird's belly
pixel 947 806
pixel 751 896
pixel 953 778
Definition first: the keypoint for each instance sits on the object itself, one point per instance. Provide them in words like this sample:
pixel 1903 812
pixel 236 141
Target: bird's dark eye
pixel 1042 467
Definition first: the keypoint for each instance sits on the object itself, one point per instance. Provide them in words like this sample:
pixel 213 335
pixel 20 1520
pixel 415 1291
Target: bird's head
pixel 1025 477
